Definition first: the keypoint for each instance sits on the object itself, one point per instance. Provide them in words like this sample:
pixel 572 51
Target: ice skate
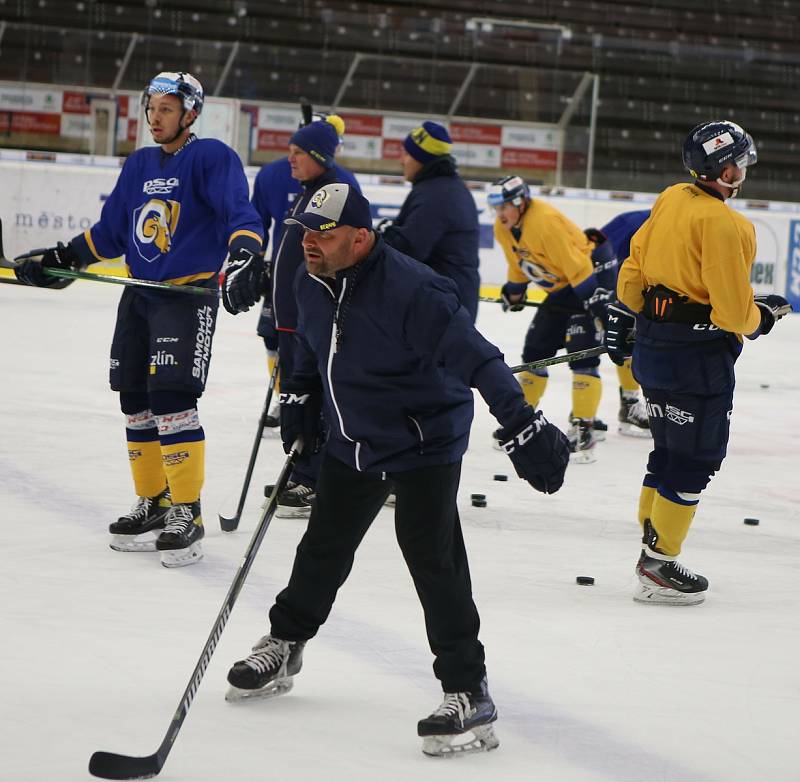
pixel 582 441
pixel 295 502
pixel 462 725
pixel 138 530
pixel 664 580
pixel 633 418
pixel 179 543
pixel 599 427
pixel 268 672
pixel 273 417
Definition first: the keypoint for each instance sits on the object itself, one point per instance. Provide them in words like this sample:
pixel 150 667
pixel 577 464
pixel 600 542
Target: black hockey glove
pixel 244 280
pixel 538 450
pixel 620 324
pixel 773 308
pixel 301 414
pixel 598 304
pixel 30 270
pixel 514 289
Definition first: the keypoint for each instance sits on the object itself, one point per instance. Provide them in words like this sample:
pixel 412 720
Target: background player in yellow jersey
pixel 578 273
pixel 688 281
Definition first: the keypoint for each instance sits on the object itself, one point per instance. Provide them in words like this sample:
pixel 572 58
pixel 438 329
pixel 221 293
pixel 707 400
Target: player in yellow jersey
pixel 578 272
pixel 688 282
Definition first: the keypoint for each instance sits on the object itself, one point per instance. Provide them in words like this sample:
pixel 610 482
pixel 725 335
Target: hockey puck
pixel 584 580
pixel 501 477
pixel 478 503
pixel 477 496
pixel 752 522
pixel 765 385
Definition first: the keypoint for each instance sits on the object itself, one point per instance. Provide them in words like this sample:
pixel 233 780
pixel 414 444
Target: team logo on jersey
pixel 160 186
pixel 318 198
pixel 155 224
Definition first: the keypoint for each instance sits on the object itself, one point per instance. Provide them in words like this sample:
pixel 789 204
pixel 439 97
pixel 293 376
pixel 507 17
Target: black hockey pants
pixel 429 533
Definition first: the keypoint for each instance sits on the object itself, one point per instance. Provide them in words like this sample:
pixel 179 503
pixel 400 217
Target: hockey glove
pixel 620 324
pixel 513 295
pixel 30 270
pixel 301 414
pixel 244 280
pixel 383 225
pixel 598 304
pixel 538 450
pixel 773 308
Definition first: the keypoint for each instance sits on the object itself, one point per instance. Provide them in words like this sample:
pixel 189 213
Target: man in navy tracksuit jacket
pixel 391 354
pixel 438 222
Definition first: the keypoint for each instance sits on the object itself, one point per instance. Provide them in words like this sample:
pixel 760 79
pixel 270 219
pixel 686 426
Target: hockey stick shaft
pixel 565 359
pixel 231 524
pixel 109 765
pixel 543 304
pixel 132 281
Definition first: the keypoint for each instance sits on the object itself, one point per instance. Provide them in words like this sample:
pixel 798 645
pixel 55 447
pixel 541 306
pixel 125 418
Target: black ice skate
pixel 461 725
pixel 146 519
pixel 268 671
pixel 599 428
pixel 632 417
pixel 295 501
pixel 179 543
pixel 582 441
pixel 662 579
pixel 273 417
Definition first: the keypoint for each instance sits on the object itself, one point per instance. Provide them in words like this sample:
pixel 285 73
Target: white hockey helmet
pixel 184 85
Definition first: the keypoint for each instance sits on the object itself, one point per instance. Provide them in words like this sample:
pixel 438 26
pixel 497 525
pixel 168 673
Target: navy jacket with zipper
pixel 397 354
pixel 438 225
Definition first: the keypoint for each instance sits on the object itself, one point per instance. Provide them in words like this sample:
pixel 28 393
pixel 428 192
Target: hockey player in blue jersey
pixel 176 211
pixel 632 416
pixel 273 192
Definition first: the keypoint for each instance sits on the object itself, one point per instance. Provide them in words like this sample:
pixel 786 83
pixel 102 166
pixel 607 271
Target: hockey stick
pixel 565 359
pixel 109 765
pixel 133 281
pixel 229 524
pixel 543 304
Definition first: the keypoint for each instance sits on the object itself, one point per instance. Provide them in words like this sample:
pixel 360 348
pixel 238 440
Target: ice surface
pixel 97 646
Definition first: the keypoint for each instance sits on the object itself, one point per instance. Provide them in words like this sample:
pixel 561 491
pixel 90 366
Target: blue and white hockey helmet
pixel 184 85
pixel 711 146
pixel 508 190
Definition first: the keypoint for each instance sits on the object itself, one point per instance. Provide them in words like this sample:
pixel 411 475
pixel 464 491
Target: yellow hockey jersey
pixel 552 252
pixel 697 246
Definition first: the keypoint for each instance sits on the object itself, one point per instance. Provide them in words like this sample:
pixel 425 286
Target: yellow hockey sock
pixel 147 470
pixel 627 382
pixel 272 357
pixel 184 464
pixel 671 522
pixel 533 387
pixel 646 497
pixel 586 393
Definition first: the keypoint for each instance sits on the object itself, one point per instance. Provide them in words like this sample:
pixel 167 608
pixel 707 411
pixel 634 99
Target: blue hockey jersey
pixel 175 217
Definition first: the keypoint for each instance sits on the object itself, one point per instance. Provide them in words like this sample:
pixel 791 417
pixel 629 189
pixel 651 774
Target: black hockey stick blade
pixel 109 765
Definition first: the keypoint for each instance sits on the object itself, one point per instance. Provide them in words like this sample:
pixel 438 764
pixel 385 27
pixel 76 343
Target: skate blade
pixel 480 739
pixel 270 690
pixel 180 557
pixel 391 501
pixel 630 430
pixel 666 596
pixel 286 512
pixel 583 457
pixel 599 436
pixel 135 542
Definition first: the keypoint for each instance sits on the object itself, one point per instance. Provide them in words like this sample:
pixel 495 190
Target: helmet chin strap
pixel 734 186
